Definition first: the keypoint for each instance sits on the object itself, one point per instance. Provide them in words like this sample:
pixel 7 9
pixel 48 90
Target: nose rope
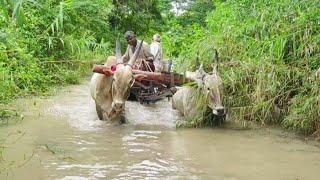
pixel 147 64
pixel 125 64
pixel 134 80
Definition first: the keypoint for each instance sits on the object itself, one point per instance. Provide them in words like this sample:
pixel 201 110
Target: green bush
pixel 304 109
pixel 268 53
pixel 39 42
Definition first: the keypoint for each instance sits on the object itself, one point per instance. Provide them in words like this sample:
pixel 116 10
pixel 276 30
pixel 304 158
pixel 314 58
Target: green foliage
pixel 38 39
pixel 142 17
pixel 278 32
pixel 260 92
pixel 304 109
pixel 7 114
pixel 182 44
pixel 196 13
pixel 47 43
pixel 279 41
pixel 268 50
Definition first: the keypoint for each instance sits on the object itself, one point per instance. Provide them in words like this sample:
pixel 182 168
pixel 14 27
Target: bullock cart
pixel 149 86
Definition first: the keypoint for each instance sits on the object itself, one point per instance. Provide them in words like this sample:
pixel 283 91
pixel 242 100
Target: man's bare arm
pixel 147 53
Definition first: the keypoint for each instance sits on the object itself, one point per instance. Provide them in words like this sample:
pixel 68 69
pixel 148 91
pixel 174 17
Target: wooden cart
pixel 152 87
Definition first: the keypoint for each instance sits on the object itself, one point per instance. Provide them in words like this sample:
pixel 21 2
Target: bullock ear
pixel 118 51
pixel 201 71
pixel 216 55
pixel 135 55
pixel 215 61
pixel 201 67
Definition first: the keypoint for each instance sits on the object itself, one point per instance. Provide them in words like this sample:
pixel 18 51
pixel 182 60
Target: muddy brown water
pixel 61 138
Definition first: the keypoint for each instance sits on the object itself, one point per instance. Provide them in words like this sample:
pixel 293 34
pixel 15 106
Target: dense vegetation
pixel 269 49
pixel 269 52
pixel 44 43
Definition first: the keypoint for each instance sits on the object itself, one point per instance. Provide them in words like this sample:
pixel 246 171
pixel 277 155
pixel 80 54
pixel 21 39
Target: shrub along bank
pixel 269 53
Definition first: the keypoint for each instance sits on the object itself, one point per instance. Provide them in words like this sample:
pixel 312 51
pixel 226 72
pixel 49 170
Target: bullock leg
pixel 173 103
pixel 99 112
pixel 218 120
pixel 122 119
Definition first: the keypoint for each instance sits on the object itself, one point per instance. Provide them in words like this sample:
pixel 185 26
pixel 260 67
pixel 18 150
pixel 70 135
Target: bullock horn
pixel 216 56
pixel 200 73
pixel 118 51
pixel 214 67
pixel 135 55
pixel 215 60
pixel 201 67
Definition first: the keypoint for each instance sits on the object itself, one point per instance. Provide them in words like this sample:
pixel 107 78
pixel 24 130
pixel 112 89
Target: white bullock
pixel 185 100
pixel 111 92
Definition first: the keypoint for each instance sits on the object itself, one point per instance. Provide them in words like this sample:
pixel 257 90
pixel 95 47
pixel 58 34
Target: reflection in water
pixel 69 142
pixel 96 170
pixel 143 147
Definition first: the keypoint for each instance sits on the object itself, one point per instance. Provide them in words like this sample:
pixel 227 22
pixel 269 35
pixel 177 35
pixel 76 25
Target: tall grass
pixel 304 109
pixel 279 32
pixel 260 93
pixel 278 39
pixel 269 51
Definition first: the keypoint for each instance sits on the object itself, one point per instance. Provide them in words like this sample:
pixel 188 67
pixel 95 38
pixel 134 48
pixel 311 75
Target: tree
pixel 138 16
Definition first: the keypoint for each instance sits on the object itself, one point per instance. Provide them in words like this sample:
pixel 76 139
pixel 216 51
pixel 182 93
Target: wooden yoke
pixel 163 77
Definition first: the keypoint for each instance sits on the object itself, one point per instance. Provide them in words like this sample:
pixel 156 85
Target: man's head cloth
pixel 129 35
pixel 156 37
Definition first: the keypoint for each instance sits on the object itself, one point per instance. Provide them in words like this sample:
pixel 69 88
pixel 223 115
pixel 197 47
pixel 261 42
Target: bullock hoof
pixel 122 120
pixel 142 101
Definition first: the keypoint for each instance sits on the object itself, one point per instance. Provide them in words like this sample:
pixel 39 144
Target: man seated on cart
pixel 160 64
pixel 145 58
pixel 156 50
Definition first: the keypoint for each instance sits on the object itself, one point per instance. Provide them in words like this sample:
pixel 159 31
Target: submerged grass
pixel 54 148
pixel 274 94
pixel 7 115
pixel 304 109
pixel 260 92
pixel 5 143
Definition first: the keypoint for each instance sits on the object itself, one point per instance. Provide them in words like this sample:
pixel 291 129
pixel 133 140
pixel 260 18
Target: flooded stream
pixel 62 138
